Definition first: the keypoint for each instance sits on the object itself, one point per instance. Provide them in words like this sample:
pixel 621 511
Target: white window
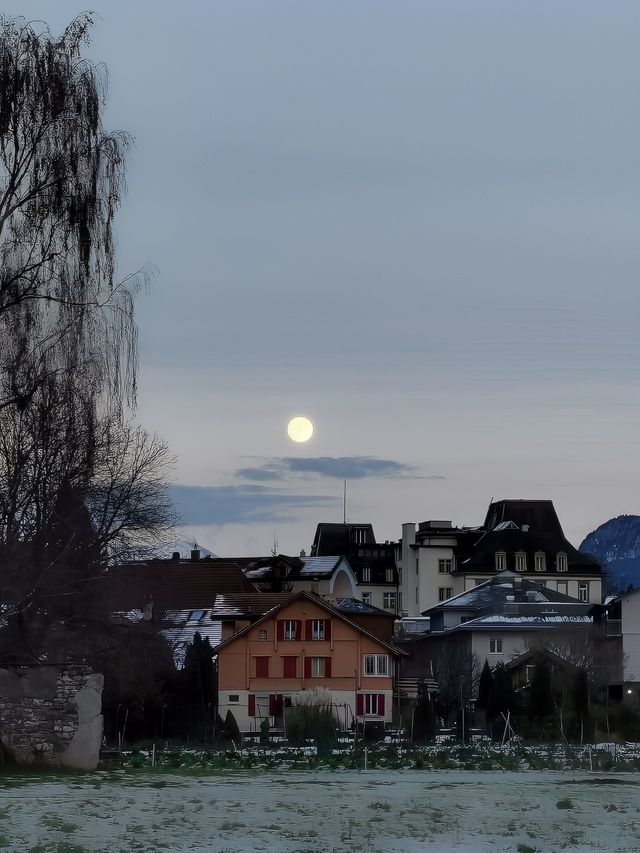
pixel 318 667
pixel 317 629
pixel 583 591
pixel 521 561
pixel 366 575
pixel 495 646
pixel 561 563
pixel 376 665
pixel 389 575
pixel 540 561
pixel 445 592
pixel 371 704
pixel 359 535
pixel 389 599
pixel 366 598
pixel 445 567
pixel 501 561
pixel 289 629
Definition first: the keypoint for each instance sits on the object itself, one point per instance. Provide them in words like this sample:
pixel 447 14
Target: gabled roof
pixel 523 657
pixel 505 588
pixel 320 602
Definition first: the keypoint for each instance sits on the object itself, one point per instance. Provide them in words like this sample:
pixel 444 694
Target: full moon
pixel 300 429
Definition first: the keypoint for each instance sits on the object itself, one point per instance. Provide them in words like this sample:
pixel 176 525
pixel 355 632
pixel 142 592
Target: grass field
pixel 408 810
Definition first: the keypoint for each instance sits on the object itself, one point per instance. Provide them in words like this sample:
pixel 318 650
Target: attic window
pixel 521 561
pixel 561 563
pixel 196 615
pixel 359 535
pixel 501 561
pixel 540 561
pixel 366 575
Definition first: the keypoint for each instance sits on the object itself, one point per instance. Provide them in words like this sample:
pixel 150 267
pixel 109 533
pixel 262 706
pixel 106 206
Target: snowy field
pixel 400 810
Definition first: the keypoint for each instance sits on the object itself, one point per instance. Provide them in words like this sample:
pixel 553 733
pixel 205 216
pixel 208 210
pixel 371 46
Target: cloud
pixel 233 504
pixel 340 467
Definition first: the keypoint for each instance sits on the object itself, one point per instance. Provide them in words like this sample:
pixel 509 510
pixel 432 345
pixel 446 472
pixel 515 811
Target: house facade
pixel 373 563
pixel 438 560
pixel 303 648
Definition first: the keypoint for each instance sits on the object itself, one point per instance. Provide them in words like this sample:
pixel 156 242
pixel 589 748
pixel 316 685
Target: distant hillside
pixel 616 544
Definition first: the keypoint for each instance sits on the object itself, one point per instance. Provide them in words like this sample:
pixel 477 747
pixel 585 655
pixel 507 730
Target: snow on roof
pixel 540 619
pixel 319 565
pixel 186 623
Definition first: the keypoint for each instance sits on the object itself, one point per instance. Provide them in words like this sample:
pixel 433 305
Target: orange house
pixel 301 645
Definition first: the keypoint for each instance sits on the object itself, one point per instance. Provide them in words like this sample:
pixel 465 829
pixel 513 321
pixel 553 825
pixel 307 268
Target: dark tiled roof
pixel 539 515
pixel 508 588
pixel 339 538
pixel 477 552
pixel 174 584
pixel 355 606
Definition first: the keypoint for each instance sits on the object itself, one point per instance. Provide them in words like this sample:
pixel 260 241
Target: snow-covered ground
pixel 399 810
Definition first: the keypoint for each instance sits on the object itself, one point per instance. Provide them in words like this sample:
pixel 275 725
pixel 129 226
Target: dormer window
pixel 561 562
pixel 366 575
pixel 521 561
pixel 501 561
pixel 540 561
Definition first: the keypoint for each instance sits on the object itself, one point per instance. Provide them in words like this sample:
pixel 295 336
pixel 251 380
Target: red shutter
pixel 273 705
pixel 298 629
pixel 308 629
pixel 262 667
pixel 359 705
pixel 280 633
pixel 289 667
pixel 307 667
pixel 381 704
pixel 252 705
pixel 327 629
pixel 327 667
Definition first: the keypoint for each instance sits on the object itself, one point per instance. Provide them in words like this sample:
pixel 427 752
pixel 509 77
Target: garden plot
pixel 406 810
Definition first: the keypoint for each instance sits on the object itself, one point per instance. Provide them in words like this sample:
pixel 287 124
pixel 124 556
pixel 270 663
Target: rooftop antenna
pixel 344 504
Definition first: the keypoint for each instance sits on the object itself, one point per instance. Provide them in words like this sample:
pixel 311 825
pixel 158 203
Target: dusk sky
pixel 417 223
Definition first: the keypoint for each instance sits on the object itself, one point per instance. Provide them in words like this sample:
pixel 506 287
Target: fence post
pixel 365 757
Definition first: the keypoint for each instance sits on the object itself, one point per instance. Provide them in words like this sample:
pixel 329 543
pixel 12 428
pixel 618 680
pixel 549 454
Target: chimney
pixel 303 553
pixel 195 555
pixel 175 556
pixel 525 528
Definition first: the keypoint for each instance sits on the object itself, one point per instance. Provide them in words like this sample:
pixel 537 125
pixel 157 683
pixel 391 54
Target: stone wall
pixel 52 715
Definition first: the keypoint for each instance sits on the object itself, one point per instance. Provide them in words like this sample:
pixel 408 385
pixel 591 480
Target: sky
pixel 416 223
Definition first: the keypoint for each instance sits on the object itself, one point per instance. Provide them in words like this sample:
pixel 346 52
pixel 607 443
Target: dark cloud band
pixel 233 504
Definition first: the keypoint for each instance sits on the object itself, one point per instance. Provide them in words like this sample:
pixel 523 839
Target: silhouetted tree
pixel 540 700
pixel 484 687
pixel 78 483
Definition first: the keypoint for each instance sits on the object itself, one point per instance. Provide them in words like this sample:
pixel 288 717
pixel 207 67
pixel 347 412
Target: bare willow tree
pixel 76 496
pixel 79 484
pixel 61 183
